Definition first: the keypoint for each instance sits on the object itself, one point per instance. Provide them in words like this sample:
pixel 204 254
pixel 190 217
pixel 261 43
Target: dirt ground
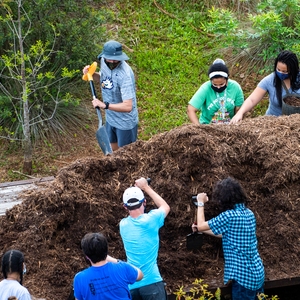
pixel 262 153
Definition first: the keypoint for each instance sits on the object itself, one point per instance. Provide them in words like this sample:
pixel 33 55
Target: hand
pixel 97 103
pixel 142 183
pixel 194 227
pixel 85 69
pixel 236 118
pixel 202 197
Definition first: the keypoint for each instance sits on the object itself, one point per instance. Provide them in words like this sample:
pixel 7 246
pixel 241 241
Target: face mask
pixel 24 269
pixel 282 76
pixel 111 65
pixel 220 89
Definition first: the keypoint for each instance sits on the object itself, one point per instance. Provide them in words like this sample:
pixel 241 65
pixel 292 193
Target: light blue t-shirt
pixel 118 85
pixel 141 242
pixel 106 282
pixel 267 84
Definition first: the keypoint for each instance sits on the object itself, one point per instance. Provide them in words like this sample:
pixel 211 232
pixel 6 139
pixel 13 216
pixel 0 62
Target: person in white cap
pixel 218 99
pixel 117 83
pixel 140 235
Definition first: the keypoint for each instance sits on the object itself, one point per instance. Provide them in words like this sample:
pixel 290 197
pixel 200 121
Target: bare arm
pixel 192 114
pixel 202 225
pixel 255 97
pixel 140 274
pixel 158 200
pixel 125 106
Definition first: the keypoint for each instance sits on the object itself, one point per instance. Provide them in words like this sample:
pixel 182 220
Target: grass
pixel 170 58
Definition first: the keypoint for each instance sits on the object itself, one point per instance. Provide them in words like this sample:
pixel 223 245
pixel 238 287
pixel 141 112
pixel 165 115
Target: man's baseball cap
pixel 113 50
pixel 133 198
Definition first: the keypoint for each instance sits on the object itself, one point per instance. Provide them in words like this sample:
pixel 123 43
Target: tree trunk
pixel 27 165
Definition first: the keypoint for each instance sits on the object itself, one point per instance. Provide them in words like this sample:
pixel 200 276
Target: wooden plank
pixel 26 181
pixel 9 191
pixel 271 284
pixel 9 196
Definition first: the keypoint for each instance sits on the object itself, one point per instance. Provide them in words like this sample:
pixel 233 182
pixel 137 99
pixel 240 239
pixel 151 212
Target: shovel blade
pixel 103 140
pixel 194 240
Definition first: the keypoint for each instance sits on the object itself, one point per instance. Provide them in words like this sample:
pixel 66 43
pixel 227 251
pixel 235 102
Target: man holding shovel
pixel 117 84
pixel 140 235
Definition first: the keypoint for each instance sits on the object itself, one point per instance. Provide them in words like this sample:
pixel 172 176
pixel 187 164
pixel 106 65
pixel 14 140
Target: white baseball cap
pixel 133 197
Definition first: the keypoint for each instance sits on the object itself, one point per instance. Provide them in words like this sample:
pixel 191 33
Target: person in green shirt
pixel 218 99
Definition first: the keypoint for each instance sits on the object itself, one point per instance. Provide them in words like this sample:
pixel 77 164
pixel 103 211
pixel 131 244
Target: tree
pixel 27 85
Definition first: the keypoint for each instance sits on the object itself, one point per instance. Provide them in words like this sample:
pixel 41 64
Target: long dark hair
pixel 228 192
pixel 12 261
pixel 290 59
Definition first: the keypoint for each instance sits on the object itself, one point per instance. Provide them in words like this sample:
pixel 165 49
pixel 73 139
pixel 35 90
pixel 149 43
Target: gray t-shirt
pixel 118 85
pixel 267 84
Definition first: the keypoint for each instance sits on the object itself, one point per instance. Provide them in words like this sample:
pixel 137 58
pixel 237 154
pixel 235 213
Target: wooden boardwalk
pixel 9 191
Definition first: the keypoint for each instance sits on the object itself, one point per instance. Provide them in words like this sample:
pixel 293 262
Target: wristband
pixel 106 105
pixel 199 204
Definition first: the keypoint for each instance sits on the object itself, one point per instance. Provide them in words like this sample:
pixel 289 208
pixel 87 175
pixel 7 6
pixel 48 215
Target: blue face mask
pixel 282 76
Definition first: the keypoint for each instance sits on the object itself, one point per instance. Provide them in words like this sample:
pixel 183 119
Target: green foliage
pixel 45 72
pixel 272 27
pixel 199 291
pixel 220 22
pixel 277 26
pixel 263 296
pixel 78 27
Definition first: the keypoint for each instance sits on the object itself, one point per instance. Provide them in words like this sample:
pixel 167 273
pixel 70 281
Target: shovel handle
pixel 99 116
pixel 93 89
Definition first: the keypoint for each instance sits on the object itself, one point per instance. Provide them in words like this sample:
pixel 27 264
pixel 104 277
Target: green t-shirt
pixel 217 107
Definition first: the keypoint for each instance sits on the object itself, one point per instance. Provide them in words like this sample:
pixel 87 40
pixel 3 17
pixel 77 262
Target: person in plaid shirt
pixel 236 225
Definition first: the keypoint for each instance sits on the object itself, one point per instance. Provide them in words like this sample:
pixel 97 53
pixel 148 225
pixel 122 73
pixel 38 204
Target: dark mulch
pixel 262 153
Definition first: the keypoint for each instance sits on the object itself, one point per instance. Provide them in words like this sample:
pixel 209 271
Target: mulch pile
pixel 262 153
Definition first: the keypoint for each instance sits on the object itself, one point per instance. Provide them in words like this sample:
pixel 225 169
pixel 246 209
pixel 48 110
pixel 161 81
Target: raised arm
pixel 202 225
pixel 158 200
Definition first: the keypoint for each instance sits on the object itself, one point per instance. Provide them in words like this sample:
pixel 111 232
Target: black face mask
pixel 112 65
pixel 219 90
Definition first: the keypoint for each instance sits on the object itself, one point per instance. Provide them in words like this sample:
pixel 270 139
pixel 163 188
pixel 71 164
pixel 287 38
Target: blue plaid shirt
pixel 242 261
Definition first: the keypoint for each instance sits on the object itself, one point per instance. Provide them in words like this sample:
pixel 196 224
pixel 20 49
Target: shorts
pixel 154 291
pixel 122 137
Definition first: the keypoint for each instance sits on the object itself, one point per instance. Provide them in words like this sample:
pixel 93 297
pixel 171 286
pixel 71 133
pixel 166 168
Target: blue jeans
pixel 154 291
pixel 241 293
